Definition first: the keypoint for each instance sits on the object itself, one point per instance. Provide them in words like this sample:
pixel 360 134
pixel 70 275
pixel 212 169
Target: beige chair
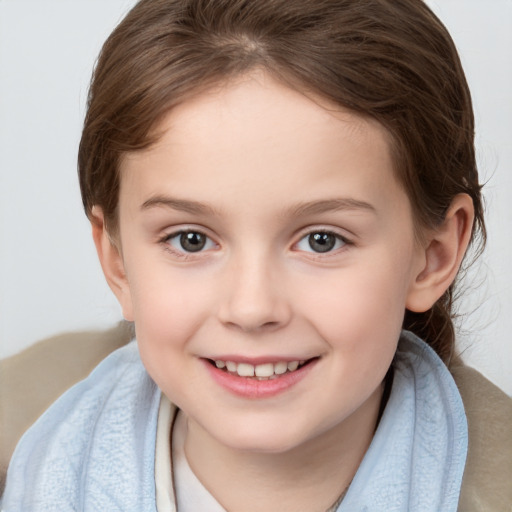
pixel 33 379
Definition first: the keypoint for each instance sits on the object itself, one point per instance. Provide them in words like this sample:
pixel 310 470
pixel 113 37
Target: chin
pixel 265 440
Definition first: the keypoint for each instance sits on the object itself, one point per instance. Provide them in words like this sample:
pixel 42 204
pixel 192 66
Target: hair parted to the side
pixel 392 60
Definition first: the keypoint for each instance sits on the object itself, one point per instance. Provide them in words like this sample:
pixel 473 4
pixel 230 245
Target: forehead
pixel 256 132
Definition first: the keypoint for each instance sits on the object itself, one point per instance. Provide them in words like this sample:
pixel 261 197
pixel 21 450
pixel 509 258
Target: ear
pixel 111 261
pixel 442 255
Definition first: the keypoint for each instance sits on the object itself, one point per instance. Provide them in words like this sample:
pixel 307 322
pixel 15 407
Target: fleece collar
pixel 94 449
pixel 417 457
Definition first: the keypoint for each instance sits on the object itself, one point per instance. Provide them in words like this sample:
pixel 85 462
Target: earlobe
pixel 443 254
pixel 111 262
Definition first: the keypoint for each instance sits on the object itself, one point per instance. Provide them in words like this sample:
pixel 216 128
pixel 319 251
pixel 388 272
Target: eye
pixel 320 242
pixel 189 241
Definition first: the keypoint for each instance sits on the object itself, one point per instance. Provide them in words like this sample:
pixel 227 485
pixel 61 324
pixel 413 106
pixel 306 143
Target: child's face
pixel 263 228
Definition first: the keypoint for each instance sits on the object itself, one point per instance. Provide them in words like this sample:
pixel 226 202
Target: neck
pixel 309 477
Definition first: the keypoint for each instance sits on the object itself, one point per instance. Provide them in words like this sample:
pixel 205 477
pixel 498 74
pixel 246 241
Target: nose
pixel 254 297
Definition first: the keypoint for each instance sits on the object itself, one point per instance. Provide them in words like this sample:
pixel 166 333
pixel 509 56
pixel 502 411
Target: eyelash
pixel 319 236
pixel 311 236
pixel 179 236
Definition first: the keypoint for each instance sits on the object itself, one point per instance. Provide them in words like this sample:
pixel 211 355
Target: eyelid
pixel 175 232
pixel 305 232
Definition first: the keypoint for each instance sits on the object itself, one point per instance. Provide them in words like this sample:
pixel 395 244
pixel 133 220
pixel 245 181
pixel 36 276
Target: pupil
pixel 322 242
pixel 192 242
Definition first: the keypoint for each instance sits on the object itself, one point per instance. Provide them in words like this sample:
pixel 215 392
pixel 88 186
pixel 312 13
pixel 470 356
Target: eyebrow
pixel 183 205
pixel 330 205
pixel 302 209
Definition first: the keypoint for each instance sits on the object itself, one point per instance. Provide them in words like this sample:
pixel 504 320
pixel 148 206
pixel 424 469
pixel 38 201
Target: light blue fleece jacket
pixel 94 449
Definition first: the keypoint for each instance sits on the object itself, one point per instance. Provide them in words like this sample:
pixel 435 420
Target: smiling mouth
pixel 265 371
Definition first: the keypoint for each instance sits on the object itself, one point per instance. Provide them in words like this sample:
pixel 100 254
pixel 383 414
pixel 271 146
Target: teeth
pixel 245 370
pixel 260 371
pixel 293 365
pixel 280 368
pixel 264 370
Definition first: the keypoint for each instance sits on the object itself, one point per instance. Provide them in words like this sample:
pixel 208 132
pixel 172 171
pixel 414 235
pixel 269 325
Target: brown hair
pixel 392 60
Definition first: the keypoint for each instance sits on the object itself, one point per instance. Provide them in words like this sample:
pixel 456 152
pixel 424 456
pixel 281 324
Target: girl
pixel 281 195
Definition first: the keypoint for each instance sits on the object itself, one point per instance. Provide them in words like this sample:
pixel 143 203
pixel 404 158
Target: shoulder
pixel 92 432
pixel 38 375
pixel 488 474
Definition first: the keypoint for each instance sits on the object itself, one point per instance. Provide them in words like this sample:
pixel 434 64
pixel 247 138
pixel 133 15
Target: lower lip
pixel 247 387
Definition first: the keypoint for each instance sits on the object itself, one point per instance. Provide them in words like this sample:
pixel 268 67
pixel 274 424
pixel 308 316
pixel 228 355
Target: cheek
pixel 357 300
pixel 359 314
pixel 170 306
pixel 164 313
pixel 166 318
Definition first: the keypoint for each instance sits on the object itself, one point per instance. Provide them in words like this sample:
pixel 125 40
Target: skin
pixel 257 167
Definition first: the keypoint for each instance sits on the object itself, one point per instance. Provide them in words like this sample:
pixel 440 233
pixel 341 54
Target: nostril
pixel 267 326
pixel 253 305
